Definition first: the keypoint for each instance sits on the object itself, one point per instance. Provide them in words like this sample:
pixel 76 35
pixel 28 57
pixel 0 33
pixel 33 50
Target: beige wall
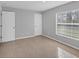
pixel 49 23
pixel 24 21
pixel 0 21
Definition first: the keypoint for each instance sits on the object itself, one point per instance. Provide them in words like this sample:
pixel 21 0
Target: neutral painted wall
pixel 0 23
pixel 24 21
pixel 49 22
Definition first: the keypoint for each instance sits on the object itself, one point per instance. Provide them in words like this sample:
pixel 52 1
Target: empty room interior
pixel 39 29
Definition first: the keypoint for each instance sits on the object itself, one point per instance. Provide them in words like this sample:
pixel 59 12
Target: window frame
pixel 69 37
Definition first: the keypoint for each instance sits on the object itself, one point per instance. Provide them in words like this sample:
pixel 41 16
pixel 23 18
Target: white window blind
pixel 67 24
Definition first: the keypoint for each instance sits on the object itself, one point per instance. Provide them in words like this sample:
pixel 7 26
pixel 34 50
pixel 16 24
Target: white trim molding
pixel 61 42
pixel 26 37
pixel 18 38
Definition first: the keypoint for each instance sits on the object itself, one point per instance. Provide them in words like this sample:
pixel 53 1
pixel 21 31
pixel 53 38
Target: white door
pixel 38 24
pixel 8 26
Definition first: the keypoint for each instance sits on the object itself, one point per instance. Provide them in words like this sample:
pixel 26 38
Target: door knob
pixel 13 27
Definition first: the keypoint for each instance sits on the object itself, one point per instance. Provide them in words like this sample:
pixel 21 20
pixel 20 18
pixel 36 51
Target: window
pixel 67 24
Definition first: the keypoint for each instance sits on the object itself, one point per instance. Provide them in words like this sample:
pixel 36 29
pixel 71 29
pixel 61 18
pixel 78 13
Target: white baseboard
pixel 26 37
pixel 62 42
pixel 50 38
pixel 0 41
pixel 7 41
pixel 19 38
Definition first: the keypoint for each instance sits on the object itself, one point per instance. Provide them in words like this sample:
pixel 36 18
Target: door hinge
pixel 1 14
pixel 0 25
pixel 0 36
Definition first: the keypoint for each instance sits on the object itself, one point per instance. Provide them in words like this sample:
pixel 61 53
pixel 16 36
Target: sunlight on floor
pixel 64 54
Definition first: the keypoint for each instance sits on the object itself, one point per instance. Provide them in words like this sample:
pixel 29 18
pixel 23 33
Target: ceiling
pixel 33 5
